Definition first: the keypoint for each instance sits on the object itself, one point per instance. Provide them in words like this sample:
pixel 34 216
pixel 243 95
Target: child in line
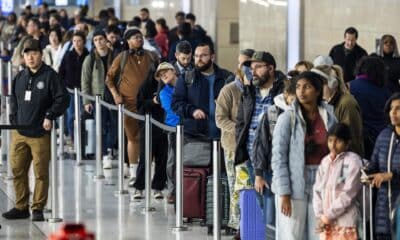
pixel 336 188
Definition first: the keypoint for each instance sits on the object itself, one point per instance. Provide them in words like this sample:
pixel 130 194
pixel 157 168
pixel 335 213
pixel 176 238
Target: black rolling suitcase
pixel 225 201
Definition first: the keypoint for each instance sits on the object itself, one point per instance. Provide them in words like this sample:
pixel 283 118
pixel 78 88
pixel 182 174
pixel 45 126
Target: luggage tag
pixel 28 95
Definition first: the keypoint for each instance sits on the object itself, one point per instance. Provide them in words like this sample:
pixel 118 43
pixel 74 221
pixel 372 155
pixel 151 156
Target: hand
pixel 155 101
pixel 320 226
pixel 118 99
pixel 199 114
pixel 325 220
pixel 259 184
pixel 286 206
pixel 379 178
pixel 89 108
pixel 47 124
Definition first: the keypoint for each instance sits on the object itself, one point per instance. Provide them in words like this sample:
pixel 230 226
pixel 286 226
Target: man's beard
pixel 260 81
pixel 204 67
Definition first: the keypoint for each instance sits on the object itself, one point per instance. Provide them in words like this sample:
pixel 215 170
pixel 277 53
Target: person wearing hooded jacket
pixel 298 146
pixel 225 115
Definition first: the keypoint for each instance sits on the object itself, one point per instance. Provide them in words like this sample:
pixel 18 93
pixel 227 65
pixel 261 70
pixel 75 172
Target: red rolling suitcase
pixel 194 193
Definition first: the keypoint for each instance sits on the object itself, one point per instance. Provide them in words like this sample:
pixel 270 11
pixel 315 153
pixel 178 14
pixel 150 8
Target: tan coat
pixel 226 113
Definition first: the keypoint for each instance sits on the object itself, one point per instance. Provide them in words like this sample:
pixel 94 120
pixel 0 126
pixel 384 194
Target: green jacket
pixel 94 75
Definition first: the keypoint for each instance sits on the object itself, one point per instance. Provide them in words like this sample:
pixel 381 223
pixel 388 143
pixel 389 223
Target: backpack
pixel 107 96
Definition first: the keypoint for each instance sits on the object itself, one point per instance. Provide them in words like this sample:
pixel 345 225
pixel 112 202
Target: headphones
pixel 333 82
pixel 138 52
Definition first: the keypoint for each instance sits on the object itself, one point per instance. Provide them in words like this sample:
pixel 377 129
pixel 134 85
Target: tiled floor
pixel 81 199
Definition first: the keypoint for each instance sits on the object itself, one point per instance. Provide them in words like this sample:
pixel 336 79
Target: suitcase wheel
pixel 203 223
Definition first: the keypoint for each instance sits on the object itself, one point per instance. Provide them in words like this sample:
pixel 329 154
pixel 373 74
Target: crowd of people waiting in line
pixel 303 138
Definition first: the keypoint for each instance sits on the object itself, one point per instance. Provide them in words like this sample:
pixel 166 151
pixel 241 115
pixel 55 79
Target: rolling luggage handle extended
pixel 364 180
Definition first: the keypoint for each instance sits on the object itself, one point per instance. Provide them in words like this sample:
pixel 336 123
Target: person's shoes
pixel 171 199
pixel 37 216
pixel 126 170
pixel 158 194
pixel 107 162
pixel 237 236
pixel 15 213
pixel 131 182
pixel 138 194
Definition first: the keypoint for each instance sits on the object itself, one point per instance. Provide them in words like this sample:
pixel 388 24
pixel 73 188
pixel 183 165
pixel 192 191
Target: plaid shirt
pixel 260 107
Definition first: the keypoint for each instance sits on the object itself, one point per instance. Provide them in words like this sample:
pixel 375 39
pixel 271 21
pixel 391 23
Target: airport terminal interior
pixel 101 162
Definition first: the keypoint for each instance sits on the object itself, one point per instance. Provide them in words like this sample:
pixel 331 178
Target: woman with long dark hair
pixel 298 145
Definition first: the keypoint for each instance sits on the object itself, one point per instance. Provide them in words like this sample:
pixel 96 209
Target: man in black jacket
pixel 38 97
pixel 195 94
pixel 348 53
pixel 257 97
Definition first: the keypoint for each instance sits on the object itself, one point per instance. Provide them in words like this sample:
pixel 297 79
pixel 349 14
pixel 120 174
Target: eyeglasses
pixel 201 55
pixel 137 37
pixel 257 67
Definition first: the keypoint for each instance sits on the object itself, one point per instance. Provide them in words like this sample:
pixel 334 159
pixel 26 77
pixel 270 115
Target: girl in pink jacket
pixel 336 188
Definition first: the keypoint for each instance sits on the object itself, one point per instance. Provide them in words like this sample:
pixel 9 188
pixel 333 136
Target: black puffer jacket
pixel 245 113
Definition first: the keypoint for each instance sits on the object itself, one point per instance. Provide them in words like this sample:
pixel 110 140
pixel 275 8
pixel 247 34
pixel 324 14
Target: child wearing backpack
pixel 336 188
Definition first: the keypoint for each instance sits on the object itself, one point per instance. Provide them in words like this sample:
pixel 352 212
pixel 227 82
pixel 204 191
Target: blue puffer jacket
pixel 288 150
pixel 379 164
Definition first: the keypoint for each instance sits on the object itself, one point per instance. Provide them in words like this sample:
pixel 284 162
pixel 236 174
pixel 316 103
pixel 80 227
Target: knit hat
pixel 99 33
pixel 131 32
pixel 323 60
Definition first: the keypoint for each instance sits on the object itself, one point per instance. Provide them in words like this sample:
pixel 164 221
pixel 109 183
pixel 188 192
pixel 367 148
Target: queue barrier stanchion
pixel 61 137
pixel 53 171
pixel 121 152
pixel 77 137
pixel 99 140
pixel 148 159
pixel 179 181
pixel 8 139
pixel 216 190
pixel 9 76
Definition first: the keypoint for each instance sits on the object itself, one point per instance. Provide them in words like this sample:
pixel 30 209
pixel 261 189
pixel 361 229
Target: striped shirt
pixel 260 107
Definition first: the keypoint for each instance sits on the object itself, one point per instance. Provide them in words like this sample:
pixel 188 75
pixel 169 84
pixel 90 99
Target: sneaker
pixel 171 199
pixel 126 171
pixel 138 194
pixel 158 194
pixel 131 182
pixel 107 162
pixel 37 216
pixel 16 214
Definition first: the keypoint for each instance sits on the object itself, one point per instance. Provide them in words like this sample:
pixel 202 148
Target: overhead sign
pixel 7 6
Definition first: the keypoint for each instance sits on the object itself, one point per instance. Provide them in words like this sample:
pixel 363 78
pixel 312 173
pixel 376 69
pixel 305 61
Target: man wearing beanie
pixel 132 84
pixel 225 115
pixel 93 77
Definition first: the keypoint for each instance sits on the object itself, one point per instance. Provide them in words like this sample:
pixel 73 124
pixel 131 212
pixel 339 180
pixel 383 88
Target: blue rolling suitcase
pixel 253 223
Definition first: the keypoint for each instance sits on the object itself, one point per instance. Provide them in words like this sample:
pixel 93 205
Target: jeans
pixel 71 116
pixel 171 162
pixel 109 120
pixel 301 224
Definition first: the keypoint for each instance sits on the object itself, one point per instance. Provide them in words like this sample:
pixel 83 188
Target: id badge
pixel 28 95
